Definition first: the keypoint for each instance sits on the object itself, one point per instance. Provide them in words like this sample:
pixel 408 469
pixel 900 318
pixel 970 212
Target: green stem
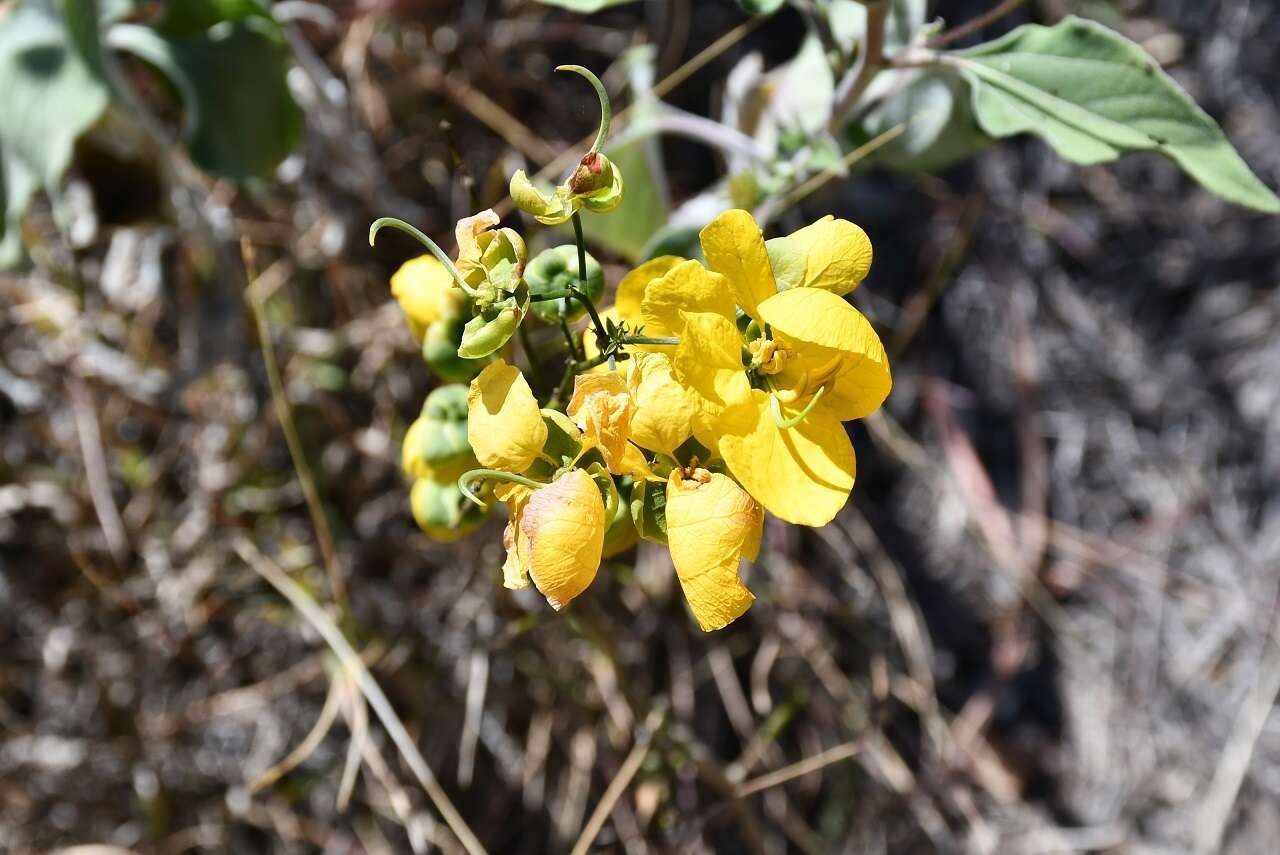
pixel 580 292
pixel 648 339
pixel 401 225
pixel 464 481
pixel 606 111
pixel 775 409
pixel 574 352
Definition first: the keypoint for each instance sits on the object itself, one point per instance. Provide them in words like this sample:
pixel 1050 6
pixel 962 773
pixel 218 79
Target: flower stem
pixel 606 111
pixel 464 481
pixel 648 339
pixel 401 225
pixel 580 292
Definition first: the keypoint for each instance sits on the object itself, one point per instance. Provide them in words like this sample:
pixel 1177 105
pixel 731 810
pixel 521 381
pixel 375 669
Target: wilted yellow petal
pixel 686 287
pixel 563 524
pixel 836 345
pixel 515 570
pixel 663 418
pixel 602 408
pixel 465 233
pixel 801 474
pixel 834 255
pixel 734 247
pixel 710 522
pixel 709 360
pixel 426 293
pixel 631 288
pixel 504 424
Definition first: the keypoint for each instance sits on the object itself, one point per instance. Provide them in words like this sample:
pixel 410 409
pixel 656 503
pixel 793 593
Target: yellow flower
pixel 711 524
pixel 555 536
pixel 601 407
pixel 663 417
pixel 626 307
pixel 426 293
pixel 771 402
pixel 504 424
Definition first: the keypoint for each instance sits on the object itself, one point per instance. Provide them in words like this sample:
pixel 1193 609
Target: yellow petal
pixel 709 360
pixel 504 424
pixel 465 233
pixel 515 570
pixel 664 408
pixel 631 288
pixel 734 247
pixel 564 527
pixel 834 255
pixel 426 293
pixel 602 408
pixel 836 344
pixel 801 474
pixel 687 287
pixel 710 522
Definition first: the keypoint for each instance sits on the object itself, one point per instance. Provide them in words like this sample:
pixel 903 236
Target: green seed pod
pixel 435 446
pixel 556 269
pixel 492 328
pixel 620 530
pixel 440 350
pixel 442 511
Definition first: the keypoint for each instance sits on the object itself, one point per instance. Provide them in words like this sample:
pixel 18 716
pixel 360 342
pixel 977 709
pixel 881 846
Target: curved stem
pixel 775 409
pixel 606 111
pixel 401 225
pixel 466 478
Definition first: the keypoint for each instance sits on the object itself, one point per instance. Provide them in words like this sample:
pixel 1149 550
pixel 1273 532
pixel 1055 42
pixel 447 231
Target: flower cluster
pixel 704 396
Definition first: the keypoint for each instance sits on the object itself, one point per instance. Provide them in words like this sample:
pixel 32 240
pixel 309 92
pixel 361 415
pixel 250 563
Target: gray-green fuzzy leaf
pixel 1093 95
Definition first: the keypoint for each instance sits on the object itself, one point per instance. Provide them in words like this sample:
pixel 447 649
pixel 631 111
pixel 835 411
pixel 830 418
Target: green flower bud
pixel 596 184
pixel 442 511
pixel 440 351
pixel 556 269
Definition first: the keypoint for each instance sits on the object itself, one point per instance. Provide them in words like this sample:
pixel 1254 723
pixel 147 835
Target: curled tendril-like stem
pixel 775 409
pixel 606 111
pixel 464 482
pixel 401 225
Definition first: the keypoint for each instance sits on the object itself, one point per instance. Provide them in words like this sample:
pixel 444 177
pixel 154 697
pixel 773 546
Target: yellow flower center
pixel 767 356
pixel 694 472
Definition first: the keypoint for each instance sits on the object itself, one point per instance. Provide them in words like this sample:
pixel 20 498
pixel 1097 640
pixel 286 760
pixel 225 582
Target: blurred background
pixel 1044 623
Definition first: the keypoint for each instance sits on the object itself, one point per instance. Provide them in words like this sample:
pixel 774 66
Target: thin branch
pixel 968 28
pixel 279 397
pixel 372 692
pixel 801 768
pixel 620 782
pixel 870 61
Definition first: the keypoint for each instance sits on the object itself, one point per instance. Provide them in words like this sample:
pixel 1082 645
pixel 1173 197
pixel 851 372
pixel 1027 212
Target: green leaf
pixel 49 97
pixel 193 17
pixel 649 510
pixel 934 106
pixel 241 120
pixel 1093 95
pixel 586 7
